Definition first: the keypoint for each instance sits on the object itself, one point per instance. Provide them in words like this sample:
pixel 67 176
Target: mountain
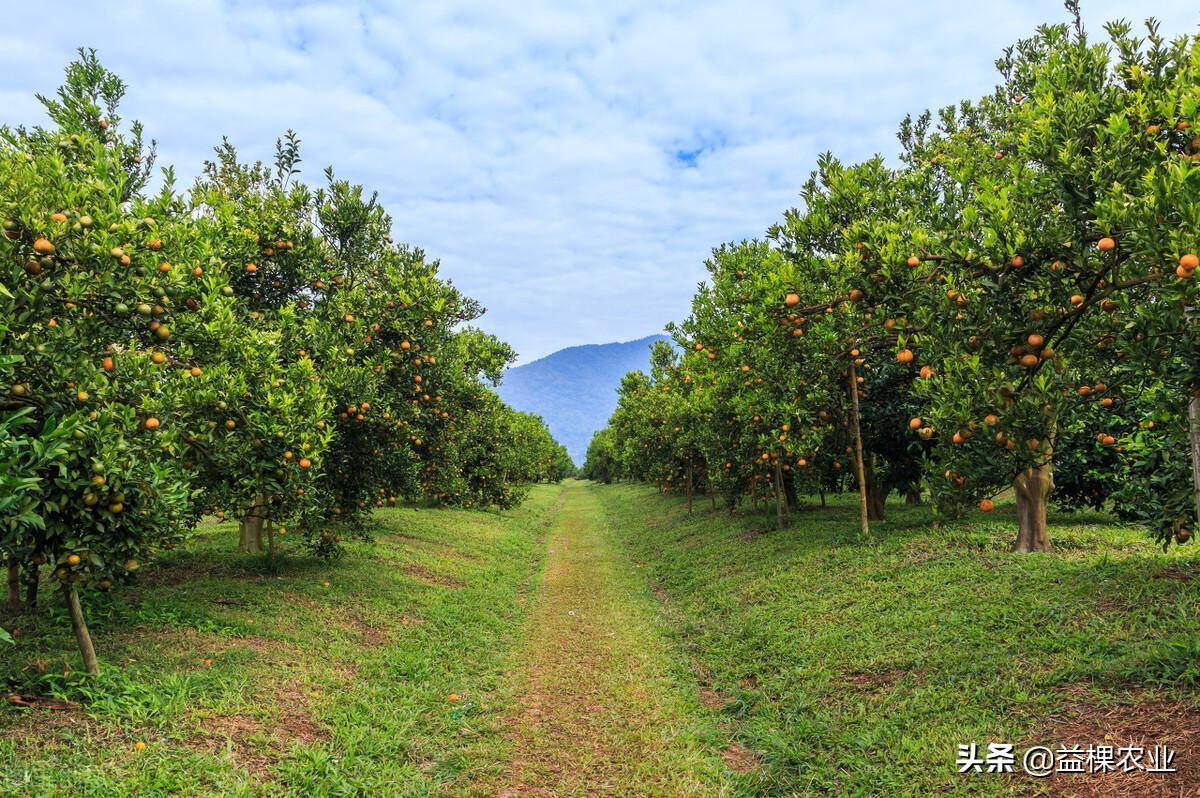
pixel 575 389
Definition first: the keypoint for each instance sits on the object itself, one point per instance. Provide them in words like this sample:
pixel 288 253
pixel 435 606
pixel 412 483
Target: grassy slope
pixel 313 689
pixel 857 670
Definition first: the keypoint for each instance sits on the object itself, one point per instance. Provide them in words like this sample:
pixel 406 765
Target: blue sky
pixel 570 164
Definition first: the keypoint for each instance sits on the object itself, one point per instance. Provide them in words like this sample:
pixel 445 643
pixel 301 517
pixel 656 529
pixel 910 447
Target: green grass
pixel 664 654
pixel 856 669
pixel 313 689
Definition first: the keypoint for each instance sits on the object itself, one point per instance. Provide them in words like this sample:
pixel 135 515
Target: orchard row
pixel 253 348
pixel 1007 307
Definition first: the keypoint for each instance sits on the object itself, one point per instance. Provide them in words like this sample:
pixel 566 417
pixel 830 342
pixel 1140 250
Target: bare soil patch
pixel 431 577
pixel 1145 723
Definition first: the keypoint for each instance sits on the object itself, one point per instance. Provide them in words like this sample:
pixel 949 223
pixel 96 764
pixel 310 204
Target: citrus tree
pixel 90 306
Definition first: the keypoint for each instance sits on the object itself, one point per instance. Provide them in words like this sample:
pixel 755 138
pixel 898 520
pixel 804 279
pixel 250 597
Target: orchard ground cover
pixel 853 669
pixel 601 640
pixel 303 678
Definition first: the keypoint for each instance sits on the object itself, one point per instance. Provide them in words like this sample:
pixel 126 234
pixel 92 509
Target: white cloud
pixel 532 148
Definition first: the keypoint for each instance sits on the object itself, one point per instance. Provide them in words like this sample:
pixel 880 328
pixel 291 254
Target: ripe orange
pixel 158 357
pixel 251 267
pixel 453 697
pixel 1017 261
pixel 987 505
pixel 1189 261
pixel 43 247
pixel 1029 361
pixel 139 746
pixel 305 462
pixel 791 300
pixel 107 364
pixel 913 261
pixel 926 372
pixel 58 217
pixel 1076 300
pixel 155 245
pixel 914 423
pixel 1035 340
pixel 195 371
pixel 1105 244
pixel 904 356
pixel 164 267
pixel 73 560
pixel 856 294
pixel 152 423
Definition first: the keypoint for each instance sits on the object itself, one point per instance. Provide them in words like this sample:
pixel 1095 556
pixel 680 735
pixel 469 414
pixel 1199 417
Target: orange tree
pixel 261 414
pixel 1050 238
pixel 91 308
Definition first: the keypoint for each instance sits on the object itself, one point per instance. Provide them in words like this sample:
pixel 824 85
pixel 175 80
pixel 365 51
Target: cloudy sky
pixel 570 164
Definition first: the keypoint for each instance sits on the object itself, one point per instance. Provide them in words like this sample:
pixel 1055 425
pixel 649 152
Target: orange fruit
pixel 152 423
pixel 305 462
pixel 1189 261
pixel 1105 244
pixel 913 261
pixel 987 505
pixel 43 247
pixel 791 300
pixel 251 267
pixel 914 423
pixel 904 356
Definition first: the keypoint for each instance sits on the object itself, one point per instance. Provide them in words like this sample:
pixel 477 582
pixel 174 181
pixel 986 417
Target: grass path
pixel 602 706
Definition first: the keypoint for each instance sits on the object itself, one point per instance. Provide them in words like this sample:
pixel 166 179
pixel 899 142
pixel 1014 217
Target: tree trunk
pixel 877 493
pixel 864 528
pixel 912 495
pixel 1032 486
pixel 877 502
pixel 82 636
pixel 14 583
pixel 822 492
pixel 689 485
pixel 780 503
pixel 789 491
pixel 32 577
pixel 1194 429
pixel 251 526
